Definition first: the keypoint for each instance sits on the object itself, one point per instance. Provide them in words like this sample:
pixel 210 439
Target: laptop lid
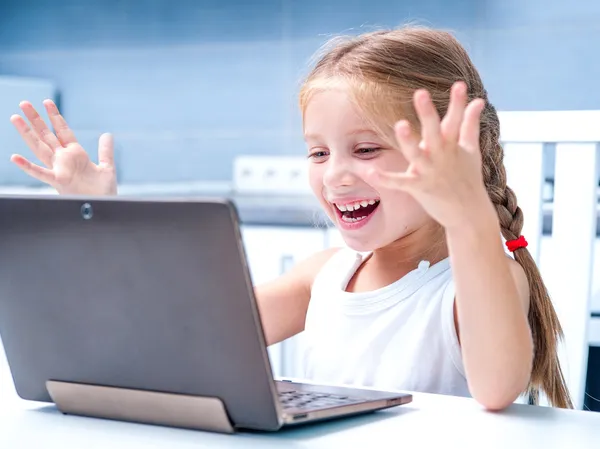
pixel 134 293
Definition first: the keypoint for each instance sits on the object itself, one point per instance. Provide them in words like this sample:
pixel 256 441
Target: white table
pixel 430 421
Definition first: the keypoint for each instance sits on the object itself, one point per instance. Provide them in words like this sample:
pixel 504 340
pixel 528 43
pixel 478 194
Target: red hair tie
pixel 515 244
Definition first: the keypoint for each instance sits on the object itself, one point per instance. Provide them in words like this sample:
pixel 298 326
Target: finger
pixel 454 116
pixel 39 126
pixel 392 180
pixel 430 120
pixel 407 141
pixel 33 170
pixel 469 130
pixel 106 150
pixel 39 148
pixel 63 132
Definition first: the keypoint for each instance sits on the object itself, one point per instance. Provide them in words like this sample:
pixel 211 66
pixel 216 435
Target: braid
pixel 545 327
pixel 494 175
pixel 503 197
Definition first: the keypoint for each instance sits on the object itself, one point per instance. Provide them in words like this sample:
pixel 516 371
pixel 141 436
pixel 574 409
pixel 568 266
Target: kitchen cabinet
pixel 271 251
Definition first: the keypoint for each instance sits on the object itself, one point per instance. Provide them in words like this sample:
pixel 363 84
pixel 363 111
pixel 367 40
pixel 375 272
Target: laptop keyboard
pixel 308 400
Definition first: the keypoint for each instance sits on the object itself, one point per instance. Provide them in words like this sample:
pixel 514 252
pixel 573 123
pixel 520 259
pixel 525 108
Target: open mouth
pixel 356 211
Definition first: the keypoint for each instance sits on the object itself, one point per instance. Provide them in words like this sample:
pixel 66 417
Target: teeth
pixel 352 220
pixel 355 206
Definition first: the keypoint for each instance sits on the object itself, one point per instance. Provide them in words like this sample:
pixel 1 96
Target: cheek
pixel 393 160
pixel 402 212
pixel 315 178
pixel 389 161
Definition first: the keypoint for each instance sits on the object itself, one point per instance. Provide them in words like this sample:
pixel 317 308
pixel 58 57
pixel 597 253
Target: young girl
pixel 404 156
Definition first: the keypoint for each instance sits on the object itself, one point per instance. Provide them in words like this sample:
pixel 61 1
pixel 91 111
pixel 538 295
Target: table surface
pixel 429 421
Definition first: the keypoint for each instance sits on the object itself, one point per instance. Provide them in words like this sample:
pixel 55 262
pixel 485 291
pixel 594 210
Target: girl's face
pixel 342 148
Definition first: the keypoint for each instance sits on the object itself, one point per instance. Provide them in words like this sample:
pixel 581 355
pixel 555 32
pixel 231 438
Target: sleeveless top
pixel 400 337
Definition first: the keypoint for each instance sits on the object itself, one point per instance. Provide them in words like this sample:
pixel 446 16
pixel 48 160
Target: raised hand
pixel 66 165
pixel 444 173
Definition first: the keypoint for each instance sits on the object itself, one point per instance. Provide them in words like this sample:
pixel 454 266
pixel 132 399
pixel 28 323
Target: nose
pixel 338 173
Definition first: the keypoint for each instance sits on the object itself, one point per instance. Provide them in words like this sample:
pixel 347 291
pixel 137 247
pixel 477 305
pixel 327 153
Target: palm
pixel 67 166
pixel 75 172
pixel 444 173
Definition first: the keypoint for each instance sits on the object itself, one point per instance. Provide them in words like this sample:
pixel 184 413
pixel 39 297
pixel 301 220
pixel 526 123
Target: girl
pixel 405 158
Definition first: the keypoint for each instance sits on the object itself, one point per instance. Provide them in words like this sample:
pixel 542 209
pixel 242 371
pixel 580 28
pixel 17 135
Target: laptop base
pixel 140 406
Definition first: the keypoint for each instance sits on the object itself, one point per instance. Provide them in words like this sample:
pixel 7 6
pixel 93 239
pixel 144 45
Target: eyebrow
pixel 354 132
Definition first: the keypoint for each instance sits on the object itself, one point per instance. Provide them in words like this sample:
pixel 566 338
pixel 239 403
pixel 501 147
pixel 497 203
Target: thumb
pixel 106 150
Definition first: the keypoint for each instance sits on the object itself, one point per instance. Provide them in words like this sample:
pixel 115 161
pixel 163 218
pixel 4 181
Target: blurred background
pixel 187 87
pixel 201 97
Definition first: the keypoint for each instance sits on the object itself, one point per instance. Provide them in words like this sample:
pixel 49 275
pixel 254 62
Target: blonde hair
pixel 382 69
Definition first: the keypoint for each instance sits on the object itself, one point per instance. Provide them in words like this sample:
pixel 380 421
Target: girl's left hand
pixel 444 173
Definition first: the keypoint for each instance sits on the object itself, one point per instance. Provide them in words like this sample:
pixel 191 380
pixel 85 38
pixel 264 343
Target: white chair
pixel 566 258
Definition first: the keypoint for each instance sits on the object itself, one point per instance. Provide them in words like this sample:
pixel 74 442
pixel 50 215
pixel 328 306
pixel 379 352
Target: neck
pixel 394 261
pixel 425 243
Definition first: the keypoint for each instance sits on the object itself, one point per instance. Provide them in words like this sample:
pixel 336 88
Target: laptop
pixel 143 310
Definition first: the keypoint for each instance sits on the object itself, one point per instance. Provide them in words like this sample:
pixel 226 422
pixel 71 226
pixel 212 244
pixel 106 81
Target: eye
pixel 318 154
pixel 368 151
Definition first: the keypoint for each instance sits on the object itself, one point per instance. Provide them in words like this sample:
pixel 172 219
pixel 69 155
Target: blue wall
pixel 540 54
pixel 186 86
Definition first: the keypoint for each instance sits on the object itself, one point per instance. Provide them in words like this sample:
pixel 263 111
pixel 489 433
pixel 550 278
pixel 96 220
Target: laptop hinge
pixel 141 406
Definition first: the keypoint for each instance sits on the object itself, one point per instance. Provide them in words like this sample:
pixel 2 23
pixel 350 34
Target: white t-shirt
pixel 399 337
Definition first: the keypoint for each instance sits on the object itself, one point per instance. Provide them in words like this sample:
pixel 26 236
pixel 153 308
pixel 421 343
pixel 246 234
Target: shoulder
pixel 307 270
pixel 283 301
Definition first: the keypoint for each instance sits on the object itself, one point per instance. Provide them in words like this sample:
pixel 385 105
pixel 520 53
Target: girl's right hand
pixel 68 167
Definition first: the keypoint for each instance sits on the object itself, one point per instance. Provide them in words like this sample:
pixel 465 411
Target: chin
pixel 361 245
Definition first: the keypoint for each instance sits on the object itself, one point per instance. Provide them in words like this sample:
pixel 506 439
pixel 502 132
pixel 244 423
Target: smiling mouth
pixel 354 212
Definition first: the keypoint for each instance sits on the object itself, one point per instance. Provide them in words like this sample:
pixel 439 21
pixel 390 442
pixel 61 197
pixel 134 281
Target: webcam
pixel 86 211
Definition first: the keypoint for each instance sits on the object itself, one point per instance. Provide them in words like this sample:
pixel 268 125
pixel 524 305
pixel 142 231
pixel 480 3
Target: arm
pixel 491 307
pixel 283 302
